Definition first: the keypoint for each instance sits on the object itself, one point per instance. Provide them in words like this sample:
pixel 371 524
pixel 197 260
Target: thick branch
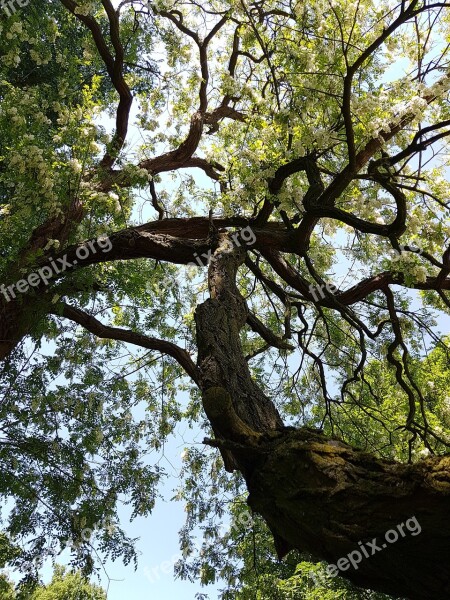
pixel 115 333
pixel 114 66
pixel 325 498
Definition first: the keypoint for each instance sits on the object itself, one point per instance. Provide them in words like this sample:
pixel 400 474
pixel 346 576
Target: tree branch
pixel 267 334
pixel 91 324
pixel 114 66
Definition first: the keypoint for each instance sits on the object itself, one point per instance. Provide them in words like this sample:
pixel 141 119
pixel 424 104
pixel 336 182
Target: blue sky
pixel 158 545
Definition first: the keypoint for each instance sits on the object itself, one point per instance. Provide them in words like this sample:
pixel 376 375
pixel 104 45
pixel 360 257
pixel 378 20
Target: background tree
pixel 308 148
pixel 65 585
pixel 7 588
pixel 68 586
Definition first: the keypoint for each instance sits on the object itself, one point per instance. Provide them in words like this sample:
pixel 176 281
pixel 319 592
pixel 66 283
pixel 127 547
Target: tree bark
pixel 221 361
pixel 318 495
pixel 13 326
pixel 323 497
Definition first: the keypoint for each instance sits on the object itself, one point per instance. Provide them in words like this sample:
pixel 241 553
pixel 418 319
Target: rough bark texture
pixel 221 360
pixel 319 495
pixel 324 497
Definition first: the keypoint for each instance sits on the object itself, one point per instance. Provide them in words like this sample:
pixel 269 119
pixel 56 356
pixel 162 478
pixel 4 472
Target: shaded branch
pixel 91 324
pixel 114 67
pixel 267 334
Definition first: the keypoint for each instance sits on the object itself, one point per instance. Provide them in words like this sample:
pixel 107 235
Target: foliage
pixel 65 585
pixel 68 586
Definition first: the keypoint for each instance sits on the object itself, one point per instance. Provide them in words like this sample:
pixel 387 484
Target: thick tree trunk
pixel 324 497
pixel 221 360
pixel 319 495
pixel 11 326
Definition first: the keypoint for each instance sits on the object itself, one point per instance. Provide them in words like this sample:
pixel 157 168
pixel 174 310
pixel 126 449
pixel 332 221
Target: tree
pixel 309 201
pixel 68 586
pixel 7 588
pixel 65 585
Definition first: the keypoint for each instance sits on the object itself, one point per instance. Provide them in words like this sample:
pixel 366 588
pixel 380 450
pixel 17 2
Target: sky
pixel 158 544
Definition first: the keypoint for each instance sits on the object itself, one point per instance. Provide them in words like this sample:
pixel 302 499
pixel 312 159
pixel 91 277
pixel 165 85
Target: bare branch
pixel 114 66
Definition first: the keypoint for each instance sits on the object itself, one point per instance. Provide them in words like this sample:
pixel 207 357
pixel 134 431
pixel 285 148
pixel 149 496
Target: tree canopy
pixel 65 585
pixel 233 214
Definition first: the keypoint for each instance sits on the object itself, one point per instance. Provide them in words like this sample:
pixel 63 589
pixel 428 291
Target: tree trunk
pixel 324 497
pixel 11 326
pixel 221 360
pixel 319 495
